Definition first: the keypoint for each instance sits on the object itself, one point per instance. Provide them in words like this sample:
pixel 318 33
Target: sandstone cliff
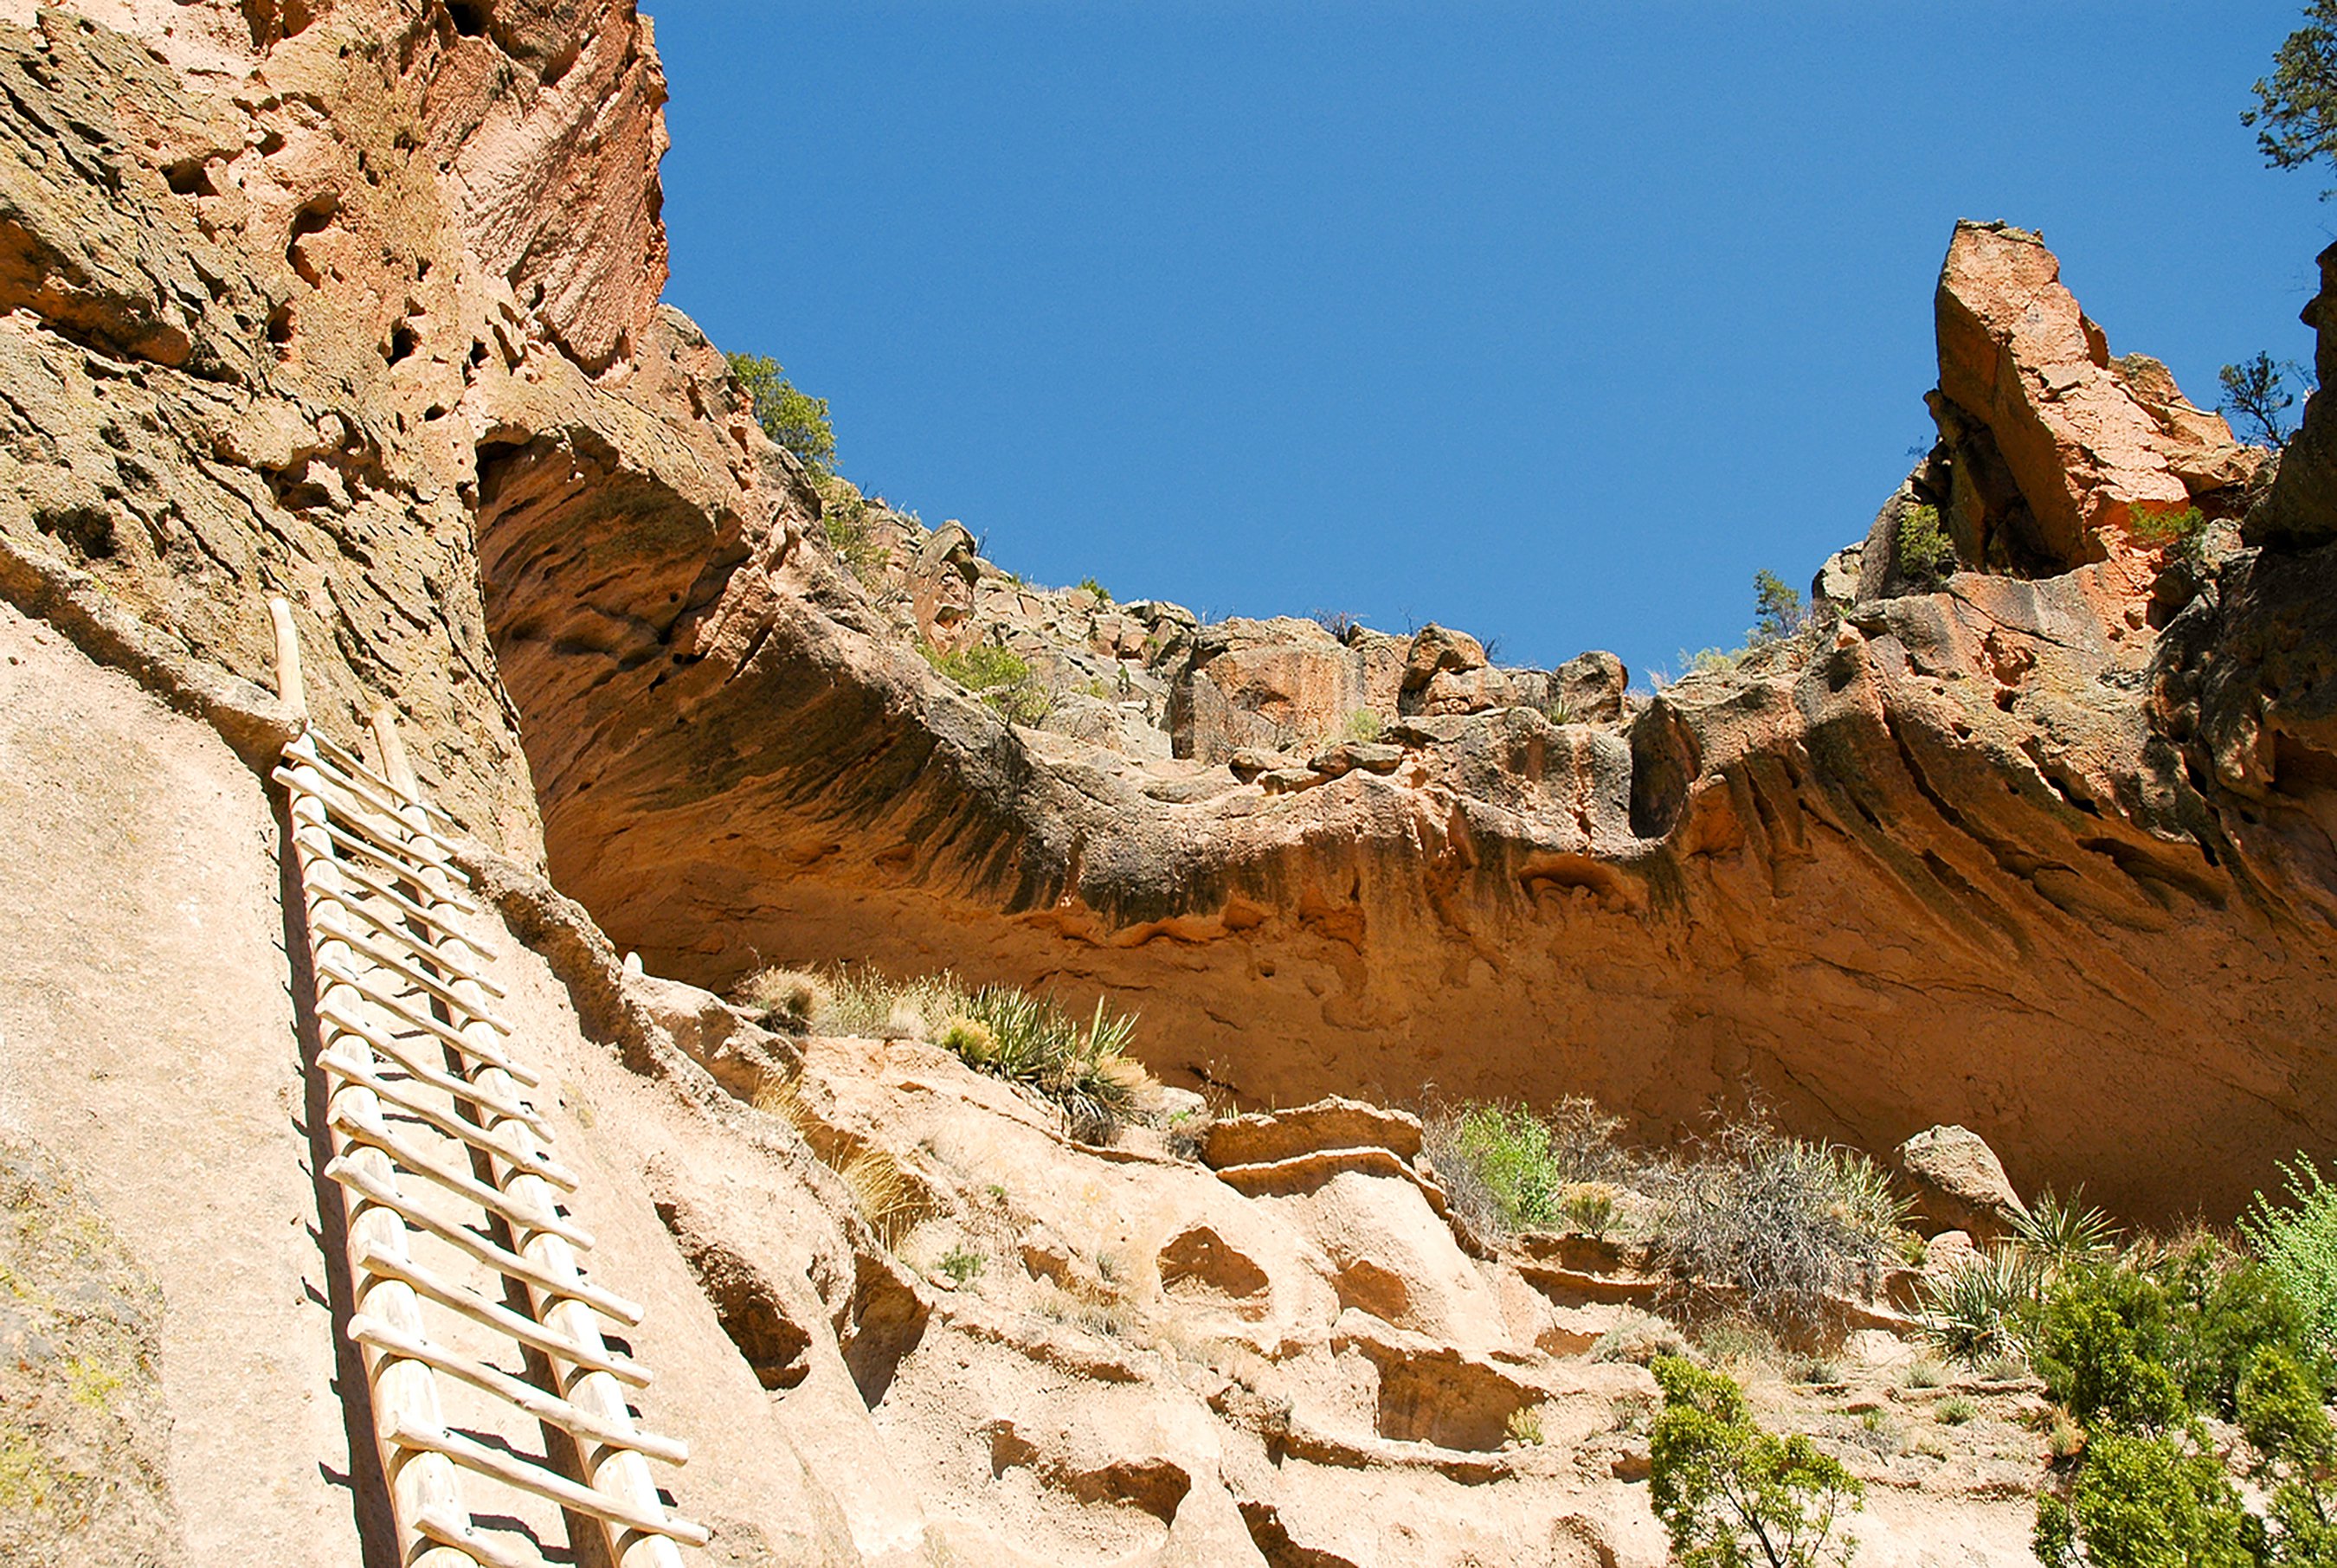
pixel 357 303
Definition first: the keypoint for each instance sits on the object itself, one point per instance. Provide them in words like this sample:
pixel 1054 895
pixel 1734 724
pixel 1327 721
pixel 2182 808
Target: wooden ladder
pixel 461 1252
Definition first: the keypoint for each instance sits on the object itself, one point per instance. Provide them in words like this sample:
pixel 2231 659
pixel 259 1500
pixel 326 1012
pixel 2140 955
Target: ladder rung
pixel 452 1123
pixel 360 906
pixel 351 805
pixel 526 1396
pixel 398 1051
pixel 359 783
pixel 423 1021
pixel 449 1530
pixel 529 1476
pixel 388 842
pixel 404 869
pixel 350 761
pixel 417 910
pixel 460 1298
pixel 345 843
pixel 492 1198
pixel 442 989
pixel 503 1259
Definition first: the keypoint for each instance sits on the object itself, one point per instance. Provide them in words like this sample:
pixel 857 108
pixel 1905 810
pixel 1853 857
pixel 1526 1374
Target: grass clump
pixel 1363 726
pixel 1955 1410
pixel 887 1197
pixel 1003 679
pixel 963 1264
pixel 1786 1222
pixel 783 997
pixel 1524 1426
pixel 1084 1067
pixel 1731 1495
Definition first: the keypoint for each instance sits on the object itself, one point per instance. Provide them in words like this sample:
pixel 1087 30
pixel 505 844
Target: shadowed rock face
pixel 356 304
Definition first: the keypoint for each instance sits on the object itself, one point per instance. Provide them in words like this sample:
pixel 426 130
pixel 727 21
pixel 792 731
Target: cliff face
pixel 2010 851
pixel 359 305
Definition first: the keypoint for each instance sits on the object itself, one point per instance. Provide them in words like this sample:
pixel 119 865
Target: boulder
pixel 2029 394
pixel 1436 649
pixel 1960 1183
pixel 1591 687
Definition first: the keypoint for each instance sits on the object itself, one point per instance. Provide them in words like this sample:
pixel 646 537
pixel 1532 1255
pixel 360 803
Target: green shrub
pixel 1956 1409
pixel 2147 1501
pixel 2297 1240
pixel 963 1264
pixel 796 422
pixel 1096 588
pixel 2139 1347
pixel 1362 726
pixel 1588 1207
pixel 1733 1496
pixel 1508 1168
pixel 2181 532
pixel 1926 554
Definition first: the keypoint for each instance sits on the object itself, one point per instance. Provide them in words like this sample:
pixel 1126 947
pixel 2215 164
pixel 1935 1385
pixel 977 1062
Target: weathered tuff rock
pixel 335 353
pixel 2061 447
pixel 1960 1183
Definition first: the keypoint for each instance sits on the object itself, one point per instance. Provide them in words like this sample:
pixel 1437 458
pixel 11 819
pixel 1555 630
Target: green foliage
pixel 1926 554
pixel 1709 661
pixel 2056 1232
pixel 1509 1169
pixel 2296 105
pixel 796 422
pixel 1733 1496
pixel 1096 588
pixel 2179 530
pixel 1779 612
pixel 1362 726
pixel 2297 1240
pixel 1955 1409
pixel 2140 1347
pixel 2287 1425
pixel 2255 391
pixel 1003 679
pixel 2147 1501
pixel 1588 1207
pixel 1524 1425
pixel 2099 1344
pixel 963 1264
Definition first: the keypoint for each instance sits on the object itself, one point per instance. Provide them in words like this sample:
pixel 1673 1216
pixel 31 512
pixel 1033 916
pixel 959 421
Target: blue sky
pixel 1551 322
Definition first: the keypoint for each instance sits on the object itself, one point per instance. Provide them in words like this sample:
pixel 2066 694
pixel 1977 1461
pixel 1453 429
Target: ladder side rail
pixel 620 1474
pixel 403 1393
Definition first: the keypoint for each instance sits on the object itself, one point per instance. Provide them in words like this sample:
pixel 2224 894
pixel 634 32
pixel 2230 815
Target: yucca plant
pixel 1973 1313
pixel 2059 1233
